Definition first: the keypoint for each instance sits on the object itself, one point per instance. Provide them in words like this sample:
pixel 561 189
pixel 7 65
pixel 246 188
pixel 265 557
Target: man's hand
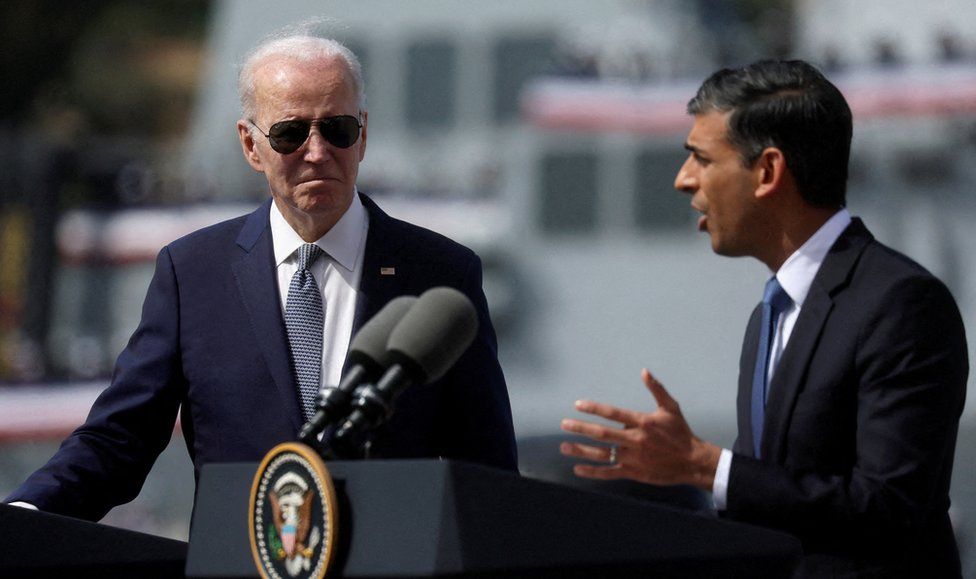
pixel 656 447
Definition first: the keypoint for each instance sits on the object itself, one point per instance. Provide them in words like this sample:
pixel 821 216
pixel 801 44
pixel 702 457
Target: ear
pixel 770 171
pixel 362 137
pixel 249 146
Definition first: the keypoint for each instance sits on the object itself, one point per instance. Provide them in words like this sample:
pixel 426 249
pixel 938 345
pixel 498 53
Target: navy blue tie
pixel 304 322
pixel 775 302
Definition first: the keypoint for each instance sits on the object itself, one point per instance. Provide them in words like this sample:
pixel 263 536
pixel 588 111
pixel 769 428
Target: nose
pixel 685 180
pixel 316 148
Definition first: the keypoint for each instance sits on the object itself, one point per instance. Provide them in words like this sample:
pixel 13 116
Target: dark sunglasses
pixel 287 136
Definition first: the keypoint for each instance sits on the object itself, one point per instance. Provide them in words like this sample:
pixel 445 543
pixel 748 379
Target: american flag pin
pixel 387 271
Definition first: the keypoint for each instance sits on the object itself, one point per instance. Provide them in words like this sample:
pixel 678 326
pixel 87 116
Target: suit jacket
pixel 861 420
pixel 212 346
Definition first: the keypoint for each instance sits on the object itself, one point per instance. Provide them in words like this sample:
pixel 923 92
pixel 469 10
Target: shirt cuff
pixel 720 487
pixel 23 505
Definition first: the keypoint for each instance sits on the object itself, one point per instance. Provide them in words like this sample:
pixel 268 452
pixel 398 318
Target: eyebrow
pixel 692 148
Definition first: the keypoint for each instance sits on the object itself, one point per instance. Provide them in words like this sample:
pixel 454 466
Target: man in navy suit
pixel 853 370
pixel 213 344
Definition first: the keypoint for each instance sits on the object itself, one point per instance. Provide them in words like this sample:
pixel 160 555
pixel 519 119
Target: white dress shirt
pixel 337 274
pixel 796 276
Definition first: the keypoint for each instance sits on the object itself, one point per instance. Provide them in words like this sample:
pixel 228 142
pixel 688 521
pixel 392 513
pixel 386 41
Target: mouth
pixel 702 219
pixel 317 179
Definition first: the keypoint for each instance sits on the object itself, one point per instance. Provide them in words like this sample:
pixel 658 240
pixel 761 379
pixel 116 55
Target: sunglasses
pixel 287 136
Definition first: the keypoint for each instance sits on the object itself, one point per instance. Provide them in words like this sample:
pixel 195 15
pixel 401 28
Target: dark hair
pixel 791 106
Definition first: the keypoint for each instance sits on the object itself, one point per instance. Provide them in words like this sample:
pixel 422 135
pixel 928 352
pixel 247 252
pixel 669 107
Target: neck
pixel 794 229
pixel 310 227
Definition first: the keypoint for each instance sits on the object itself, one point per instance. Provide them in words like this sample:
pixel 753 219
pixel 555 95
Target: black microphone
pixel 423 346
pixel 365 362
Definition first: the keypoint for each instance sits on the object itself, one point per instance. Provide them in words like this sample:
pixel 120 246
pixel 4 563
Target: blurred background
pixel 545 135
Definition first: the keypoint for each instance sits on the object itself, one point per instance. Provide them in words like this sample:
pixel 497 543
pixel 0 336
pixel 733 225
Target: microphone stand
pixel 372 405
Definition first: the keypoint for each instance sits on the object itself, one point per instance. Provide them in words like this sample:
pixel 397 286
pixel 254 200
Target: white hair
pixel 300 44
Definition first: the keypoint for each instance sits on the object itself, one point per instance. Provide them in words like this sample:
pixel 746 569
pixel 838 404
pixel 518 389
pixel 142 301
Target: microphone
pixel 366 360
pixel 423 346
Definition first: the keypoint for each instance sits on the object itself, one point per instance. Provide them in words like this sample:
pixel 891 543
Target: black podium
pixel 428 518
pixel 35 544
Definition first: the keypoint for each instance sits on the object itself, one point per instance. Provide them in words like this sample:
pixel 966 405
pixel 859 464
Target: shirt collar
pixel 797 272
pixel 342 243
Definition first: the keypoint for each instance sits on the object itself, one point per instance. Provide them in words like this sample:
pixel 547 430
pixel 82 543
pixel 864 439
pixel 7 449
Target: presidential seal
pixel 292 514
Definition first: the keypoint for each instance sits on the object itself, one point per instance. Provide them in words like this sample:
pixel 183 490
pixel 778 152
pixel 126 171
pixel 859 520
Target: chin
pixel 726 251
pixel 716 246
pixel 325 202
pixel 720 248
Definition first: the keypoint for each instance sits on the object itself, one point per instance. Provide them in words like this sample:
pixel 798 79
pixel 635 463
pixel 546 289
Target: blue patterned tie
pixel 304 320
pixel 775 301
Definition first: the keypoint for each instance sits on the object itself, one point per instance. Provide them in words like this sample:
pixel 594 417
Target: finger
pixel 664 400
pixel 595 431
pixel 599 472
pixel 585 451
pixel 621 415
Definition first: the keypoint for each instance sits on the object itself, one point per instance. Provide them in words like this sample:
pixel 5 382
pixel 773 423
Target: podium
pixel 430 518
pixel 36 544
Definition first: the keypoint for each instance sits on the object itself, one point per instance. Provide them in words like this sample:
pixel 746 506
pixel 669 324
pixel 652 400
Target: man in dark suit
pixel 217 341
pixel 853 369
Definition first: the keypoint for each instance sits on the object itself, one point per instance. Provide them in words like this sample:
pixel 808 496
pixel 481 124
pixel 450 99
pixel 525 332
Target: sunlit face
pixel 315 184
pixel 722 188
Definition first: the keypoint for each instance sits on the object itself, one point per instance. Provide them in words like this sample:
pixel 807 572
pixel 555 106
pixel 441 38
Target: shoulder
pixel 859 261
pixel 890 274
pixel 894 294
pixel 869 283
pixel 885 263
pixel 217 238
pixel 407 239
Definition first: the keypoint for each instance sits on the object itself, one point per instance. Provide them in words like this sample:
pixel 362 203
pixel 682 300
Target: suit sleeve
pixel 910 368
pixel 105 461
pixel 478 406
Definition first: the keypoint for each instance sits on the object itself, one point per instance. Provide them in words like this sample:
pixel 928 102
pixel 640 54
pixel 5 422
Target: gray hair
pixel 302 46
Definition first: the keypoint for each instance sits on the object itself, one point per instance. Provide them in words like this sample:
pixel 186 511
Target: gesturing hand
pixel 653 447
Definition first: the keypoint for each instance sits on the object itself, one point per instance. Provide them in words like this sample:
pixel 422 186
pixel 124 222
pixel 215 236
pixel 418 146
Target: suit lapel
pixel 790 375
pixel 383 277
pixel 258 287
pixel 788 378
